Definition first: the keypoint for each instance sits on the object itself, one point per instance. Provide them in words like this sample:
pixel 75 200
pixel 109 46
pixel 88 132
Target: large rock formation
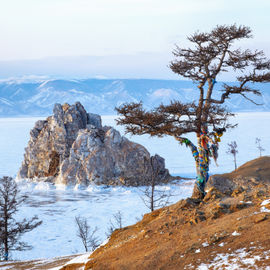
pixel 72 147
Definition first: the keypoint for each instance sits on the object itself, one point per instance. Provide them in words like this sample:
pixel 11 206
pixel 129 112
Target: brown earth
pixel 228 230
pixel 36 264
pixel 258 168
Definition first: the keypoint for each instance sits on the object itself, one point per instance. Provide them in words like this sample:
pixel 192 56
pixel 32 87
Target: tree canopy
pixel 211 54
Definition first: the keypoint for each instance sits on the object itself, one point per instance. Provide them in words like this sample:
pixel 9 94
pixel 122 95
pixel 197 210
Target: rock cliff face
pixel 72 147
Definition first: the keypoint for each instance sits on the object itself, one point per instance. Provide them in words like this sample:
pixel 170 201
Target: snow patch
pixel 264 209
pixel 42 186
pixel 82 259
pixel 60 187
pixel 265 202
pixel 165 93
pixel 7 102
pixel 240 259
pixel 104 242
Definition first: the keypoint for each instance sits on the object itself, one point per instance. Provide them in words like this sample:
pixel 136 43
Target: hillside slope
pixel 223 230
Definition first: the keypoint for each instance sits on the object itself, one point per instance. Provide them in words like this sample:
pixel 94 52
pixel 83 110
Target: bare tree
pixel 152 197
pixel 260 148
pixel 116 223
pixel 211 54
pixel 11 230
pixel 232 150
pixel 87 234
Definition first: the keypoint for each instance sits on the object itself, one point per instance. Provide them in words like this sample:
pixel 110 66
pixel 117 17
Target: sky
pixel 114 38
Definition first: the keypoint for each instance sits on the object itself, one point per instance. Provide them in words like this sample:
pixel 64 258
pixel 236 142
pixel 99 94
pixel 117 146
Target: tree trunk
pixel 6 247
pixel 235 166
pixel 152 196
pixel 202 168
pixel 201 180
pixel 201 157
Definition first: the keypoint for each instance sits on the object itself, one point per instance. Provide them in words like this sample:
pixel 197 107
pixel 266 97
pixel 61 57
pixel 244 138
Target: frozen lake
pixel 57 208
pixel 14 136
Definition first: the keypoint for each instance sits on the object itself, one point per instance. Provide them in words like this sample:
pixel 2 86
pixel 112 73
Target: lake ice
pixel 58 207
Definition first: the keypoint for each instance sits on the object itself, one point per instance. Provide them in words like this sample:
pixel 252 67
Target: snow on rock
pixel 265 202
pixel 72 148
pixel 265 206
pixel 235 233
pixel 264 209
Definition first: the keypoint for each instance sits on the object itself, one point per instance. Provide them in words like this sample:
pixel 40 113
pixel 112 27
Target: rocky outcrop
pixel 72 147
pixel 249 175
pixel 253 173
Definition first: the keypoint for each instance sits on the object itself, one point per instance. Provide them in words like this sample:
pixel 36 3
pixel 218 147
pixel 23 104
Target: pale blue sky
pixel 143 31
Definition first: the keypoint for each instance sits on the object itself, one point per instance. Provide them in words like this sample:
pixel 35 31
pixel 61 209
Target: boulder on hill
pixel 72 147
pixel 252 173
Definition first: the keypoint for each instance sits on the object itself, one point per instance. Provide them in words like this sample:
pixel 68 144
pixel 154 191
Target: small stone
pixel 260 193
pixel 240 228
pixel 194 247
pixel 259 217
pixel 215 238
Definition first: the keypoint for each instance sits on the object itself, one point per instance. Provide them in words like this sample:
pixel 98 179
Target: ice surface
pixel 57 208
pixel 14 137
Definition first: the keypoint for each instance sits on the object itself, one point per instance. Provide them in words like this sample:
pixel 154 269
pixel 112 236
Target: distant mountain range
pixel 22 98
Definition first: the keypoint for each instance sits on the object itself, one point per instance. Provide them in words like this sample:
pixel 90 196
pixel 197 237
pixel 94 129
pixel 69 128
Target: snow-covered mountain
pixel 19 98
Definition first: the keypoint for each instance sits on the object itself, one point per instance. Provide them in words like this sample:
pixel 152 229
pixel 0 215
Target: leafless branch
pixel 87 234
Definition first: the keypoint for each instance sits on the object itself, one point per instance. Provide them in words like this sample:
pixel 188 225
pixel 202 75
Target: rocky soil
pixel 225 230
pixel 72 147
